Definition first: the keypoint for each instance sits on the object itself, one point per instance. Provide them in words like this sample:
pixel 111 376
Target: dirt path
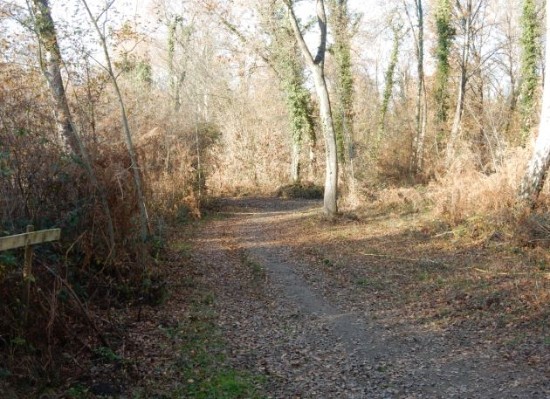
pixel 281 320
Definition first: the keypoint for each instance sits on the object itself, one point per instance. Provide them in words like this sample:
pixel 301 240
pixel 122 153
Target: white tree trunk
pixel 537 167
pixel 316 65
pixel 331 151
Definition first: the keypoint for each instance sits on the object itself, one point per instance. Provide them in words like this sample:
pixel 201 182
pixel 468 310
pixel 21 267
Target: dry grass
pixel 78 280
pixel 465 192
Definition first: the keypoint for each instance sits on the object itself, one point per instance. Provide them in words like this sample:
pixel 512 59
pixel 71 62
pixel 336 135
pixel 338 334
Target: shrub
pixel 300 190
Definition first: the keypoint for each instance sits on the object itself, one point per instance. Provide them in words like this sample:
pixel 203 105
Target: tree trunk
pixel 331 172
pixel 459 110
pixel 388 87
pixel 455 130
pixel 295 161
pixel 421 97
pixel 445 35
pixel 343 114
pixel 50 63
pixel 316 65
pixel 421 101
pixel 530 38
pixel 341 49
pixel 144 219
pixel 537 167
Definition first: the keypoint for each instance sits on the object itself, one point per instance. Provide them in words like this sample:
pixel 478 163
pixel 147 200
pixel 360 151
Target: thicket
pixel 77 280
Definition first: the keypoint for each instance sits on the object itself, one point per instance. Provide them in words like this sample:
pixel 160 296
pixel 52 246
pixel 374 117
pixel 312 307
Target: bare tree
pixel 389 79
pixel 421 98
pixel 316 66
pixel 144 222
pixel 469 12
pixel 179 35
pixel 50 64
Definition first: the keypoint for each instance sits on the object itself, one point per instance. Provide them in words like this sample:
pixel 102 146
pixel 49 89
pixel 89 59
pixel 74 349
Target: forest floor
pixel 270 300
pixel 382 306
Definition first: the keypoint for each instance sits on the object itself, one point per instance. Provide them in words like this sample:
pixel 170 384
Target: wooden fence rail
pixel 25 240
pixel 29 238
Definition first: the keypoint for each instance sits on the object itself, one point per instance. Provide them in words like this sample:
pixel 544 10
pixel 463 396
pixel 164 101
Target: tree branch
pixel 299 37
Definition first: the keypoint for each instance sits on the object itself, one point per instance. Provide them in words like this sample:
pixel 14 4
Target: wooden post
pixel 27 273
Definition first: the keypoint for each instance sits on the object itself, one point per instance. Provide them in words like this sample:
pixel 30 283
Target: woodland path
pixel 278 322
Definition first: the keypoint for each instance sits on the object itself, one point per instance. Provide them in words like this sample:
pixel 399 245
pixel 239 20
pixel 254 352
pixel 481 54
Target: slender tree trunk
pixel 445 35
pixel 421 103
pixel 537 167
pixel 316 65
pixel 459 110
pixel 295 162
pixel 343 115
pixel 50 63
pixel 388 87
pixel 144 219
pixel 512 105
pixel 299 109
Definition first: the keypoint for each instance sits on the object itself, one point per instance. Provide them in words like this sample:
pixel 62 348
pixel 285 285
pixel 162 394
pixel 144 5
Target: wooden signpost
pixel 25 240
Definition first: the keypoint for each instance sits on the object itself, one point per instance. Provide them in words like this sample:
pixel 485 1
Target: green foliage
pixel 445 35
pixel 298 102
pixel 287 62
pixel 341 50
pixel 42 19
pixel 139 69
pixel 76 392
pixel 530 50
pixel 8 262
pixel 7 259
pixel 107 355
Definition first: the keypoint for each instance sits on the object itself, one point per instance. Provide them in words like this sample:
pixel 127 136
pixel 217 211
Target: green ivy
pixel 530 50
pixel 287 61
pixel 445 36
pixel 341 50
